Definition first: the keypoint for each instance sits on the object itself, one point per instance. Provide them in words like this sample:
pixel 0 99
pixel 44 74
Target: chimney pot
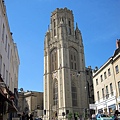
pixel 118 43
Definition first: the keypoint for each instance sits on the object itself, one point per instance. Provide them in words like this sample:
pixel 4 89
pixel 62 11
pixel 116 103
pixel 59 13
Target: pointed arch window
pixel 54 60
pixel 73 58
pixel 55 92
pixel 54 27
pixel 69 27
pixel 74 95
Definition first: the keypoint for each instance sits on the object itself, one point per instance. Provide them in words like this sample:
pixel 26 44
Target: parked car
pixel 103 117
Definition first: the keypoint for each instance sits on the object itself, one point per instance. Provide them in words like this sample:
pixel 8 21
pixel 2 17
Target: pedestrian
pixel 27 116
pixel 23 116
pixel 116 115
pixel 31 117
pixel 93 117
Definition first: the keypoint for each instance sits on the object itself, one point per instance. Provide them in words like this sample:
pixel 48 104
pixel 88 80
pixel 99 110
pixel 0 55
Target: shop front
pixel 112 109
pixel 6 101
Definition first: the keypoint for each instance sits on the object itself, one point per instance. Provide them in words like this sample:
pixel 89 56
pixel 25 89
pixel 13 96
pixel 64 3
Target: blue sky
pixel 98 20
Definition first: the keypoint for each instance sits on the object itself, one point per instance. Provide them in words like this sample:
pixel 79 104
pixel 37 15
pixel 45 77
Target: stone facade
pixel 106 82
pixel 31 102
pixel 64 68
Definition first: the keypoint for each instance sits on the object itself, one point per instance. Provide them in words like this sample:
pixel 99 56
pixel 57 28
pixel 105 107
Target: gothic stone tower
pixel 64 67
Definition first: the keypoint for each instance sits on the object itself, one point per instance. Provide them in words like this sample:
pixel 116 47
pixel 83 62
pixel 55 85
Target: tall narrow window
pixel 9 80
pixel 105 76
pixel 103 95
pixel 96 81
pixel 116 69
pixel 3 32
pixel 119 87
pixel 3 71
pixel 109 73
pixel 55 93
pixel 101 78
pixel 6 44
pixel 73 58
pixel 8 51
pixel 0 63
pixel 98 96
pixel 111 89
pixel 69 25
pixel 54 27
pixel 53 60
pixel 74 95
pixel 107 93
pixel 6 77
pixel 75 62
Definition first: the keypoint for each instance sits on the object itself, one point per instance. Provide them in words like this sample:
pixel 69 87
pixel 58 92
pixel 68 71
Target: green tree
pixel 69 115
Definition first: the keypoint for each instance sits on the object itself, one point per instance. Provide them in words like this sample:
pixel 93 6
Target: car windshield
pixel 103 115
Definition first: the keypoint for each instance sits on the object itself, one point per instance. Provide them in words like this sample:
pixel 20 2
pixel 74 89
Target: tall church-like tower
pixel 64 68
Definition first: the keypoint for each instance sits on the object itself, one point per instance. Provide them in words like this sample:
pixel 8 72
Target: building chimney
pixel 118 43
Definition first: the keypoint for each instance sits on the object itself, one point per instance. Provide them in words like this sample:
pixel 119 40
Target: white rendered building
pixel 9 62
pixel 106 82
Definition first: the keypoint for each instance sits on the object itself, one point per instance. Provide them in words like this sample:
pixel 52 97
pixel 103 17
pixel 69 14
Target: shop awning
pixel 3 97
pixel 11 105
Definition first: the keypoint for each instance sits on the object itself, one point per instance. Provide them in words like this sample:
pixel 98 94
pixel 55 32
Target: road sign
pixel 92 106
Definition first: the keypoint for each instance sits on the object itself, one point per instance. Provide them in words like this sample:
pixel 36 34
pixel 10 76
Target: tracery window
pixel 53 60
pixel 73 58
pixel 74 95
pixel 55 92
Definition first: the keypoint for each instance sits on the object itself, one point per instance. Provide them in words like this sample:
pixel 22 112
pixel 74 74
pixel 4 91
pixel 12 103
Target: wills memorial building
pixel 64 67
